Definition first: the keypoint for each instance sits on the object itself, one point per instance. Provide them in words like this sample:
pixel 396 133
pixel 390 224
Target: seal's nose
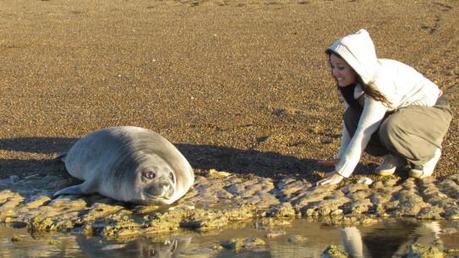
pixel 163 189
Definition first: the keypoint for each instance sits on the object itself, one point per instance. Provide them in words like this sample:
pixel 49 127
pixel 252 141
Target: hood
pixel 359 52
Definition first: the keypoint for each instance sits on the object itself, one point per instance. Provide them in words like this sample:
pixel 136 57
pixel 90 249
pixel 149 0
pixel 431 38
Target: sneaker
pixel 426 169
pixel 389 165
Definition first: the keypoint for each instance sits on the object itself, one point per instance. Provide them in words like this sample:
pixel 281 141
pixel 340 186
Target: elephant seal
pixel 129 164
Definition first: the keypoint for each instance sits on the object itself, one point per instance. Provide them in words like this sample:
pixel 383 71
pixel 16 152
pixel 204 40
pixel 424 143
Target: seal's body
pixel 128 164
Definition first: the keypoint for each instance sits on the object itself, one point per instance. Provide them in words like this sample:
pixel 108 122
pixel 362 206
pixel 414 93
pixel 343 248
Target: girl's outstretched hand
pixel 331 178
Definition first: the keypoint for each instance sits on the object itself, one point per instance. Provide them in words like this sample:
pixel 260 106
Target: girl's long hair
pixel 368 88
pixel 371 91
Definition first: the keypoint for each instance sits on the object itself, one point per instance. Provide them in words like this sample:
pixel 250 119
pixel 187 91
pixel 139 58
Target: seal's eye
pixel 148 174
pixel 172 177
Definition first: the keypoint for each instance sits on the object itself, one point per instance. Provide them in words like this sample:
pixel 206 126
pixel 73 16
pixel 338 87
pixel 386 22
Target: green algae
pixel 334 251
pixel 421 251
pixel 238 244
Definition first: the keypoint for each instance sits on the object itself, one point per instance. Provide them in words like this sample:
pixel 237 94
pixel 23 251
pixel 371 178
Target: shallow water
pixel 300 239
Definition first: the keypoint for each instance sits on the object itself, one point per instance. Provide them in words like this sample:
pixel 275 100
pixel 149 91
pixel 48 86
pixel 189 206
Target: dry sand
pixel 240 86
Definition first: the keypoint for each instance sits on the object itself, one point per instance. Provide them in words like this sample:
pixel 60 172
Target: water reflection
pixel 142 247
pixel 301 239
pixel 370 244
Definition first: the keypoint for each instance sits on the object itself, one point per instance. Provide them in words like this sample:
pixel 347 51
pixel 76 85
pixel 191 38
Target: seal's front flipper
pixel 72 190
pixel 80 189
pixel 61 156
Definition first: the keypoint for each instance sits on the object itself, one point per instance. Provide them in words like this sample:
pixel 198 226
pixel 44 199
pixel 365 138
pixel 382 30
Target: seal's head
pixel 155 181
pixel 146 179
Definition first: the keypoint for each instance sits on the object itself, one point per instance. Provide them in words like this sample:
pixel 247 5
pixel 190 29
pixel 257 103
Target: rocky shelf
pixel 219 199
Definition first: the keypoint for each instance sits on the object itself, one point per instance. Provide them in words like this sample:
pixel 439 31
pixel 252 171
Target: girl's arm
pixel 372 115
pixel 345 139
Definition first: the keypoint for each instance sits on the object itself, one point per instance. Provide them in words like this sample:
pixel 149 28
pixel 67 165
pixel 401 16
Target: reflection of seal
pixel 128 164
pixel 140 247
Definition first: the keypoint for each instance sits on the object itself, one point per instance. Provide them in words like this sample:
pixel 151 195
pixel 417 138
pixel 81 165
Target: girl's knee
pixel 389 132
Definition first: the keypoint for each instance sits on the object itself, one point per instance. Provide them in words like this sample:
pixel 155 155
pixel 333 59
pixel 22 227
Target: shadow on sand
pixel 201 157
pixel 32 165
pixel 267 164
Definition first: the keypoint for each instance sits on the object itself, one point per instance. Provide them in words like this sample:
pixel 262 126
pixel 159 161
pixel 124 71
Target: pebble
pixel 365 181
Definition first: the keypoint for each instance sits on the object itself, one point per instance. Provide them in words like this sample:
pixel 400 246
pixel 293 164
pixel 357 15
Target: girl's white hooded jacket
pixel 399 83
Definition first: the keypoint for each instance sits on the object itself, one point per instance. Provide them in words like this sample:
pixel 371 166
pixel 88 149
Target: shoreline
pixel 220 198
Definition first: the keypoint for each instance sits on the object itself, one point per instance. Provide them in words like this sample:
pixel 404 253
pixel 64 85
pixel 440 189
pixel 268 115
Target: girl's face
pixel 342 72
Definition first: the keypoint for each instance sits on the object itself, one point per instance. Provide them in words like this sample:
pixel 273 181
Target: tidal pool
pixel 300 239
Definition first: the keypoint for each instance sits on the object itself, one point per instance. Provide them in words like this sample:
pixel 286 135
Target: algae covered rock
pixel 420 251
pixel 9 201
pixel 410 204
pixel 238 244
pixel 431 212
pixel 219 199
pixel 203 220
pixel 284 210
pixel 334 251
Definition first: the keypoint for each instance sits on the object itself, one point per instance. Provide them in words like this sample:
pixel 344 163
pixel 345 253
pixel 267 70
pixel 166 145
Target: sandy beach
pixel 241 87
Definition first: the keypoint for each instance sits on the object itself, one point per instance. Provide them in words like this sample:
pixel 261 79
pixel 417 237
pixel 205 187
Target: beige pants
pixel 413 132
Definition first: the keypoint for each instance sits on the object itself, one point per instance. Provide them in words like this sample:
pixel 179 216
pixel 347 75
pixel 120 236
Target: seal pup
pixel 129 164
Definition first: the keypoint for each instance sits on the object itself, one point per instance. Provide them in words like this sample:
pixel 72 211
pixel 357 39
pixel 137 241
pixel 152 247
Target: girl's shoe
pixel 390 164
pixel 428 168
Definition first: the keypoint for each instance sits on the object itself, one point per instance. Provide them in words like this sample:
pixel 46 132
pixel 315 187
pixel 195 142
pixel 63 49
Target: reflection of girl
pixel 395 244
pixel 391 110
pixel 352 241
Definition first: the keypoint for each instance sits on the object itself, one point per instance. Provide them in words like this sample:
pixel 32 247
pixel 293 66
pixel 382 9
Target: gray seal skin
pixel 128 164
